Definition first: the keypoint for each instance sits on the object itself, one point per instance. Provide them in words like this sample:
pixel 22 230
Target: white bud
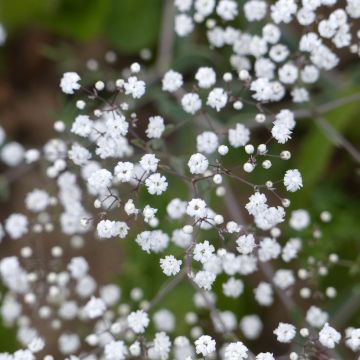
pixel 97 204
pixel 223 149
pixel 334 258
pixel 80 104
pixel 260 118
pixel 219 219
pixel 331 292
pixel 26 252
pixel 244 75
pixel 99 85
pixel 217 179
pixel 248 167
pixel 266 164
pixel 262 149
pixel 249 149
pixel 59 126
pixel 294 356
pixel 238 105
pixel 304 332
pixel 305 293
pixel 285 155
pixel 135 67
pixel 56 251
pixel 220 191
pixel 285 202
pixel 269 184
pixel 325 216
pixel 227 77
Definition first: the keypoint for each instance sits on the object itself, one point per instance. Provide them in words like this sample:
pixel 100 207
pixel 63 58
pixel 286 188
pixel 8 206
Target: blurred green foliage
pixel 128 25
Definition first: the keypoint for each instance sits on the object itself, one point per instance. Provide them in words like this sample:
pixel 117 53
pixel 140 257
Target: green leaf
pixel 132 25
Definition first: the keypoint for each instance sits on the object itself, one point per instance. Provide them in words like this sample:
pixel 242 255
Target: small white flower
pixel 69 82
pixel 205 345
pixel 170 265
pixel 285 332
pixel 198 163
pixel 293 180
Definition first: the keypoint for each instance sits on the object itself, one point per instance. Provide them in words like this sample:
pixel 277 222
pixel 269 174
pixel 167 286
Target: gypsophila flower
pixel 37 200
pixel 170 265
pixel 196 208
pixel 115 350
pixel 204 279
pixel 217 99
pixel 149 162
pixel 191 103
pixel 155 128
pixel 239 136
pixel 16 225
pixel 299 219
pixel 316 317
pixel 285 332
pixel 100 180
pixel 205 345
pixel 69 82
pixel 134 87
pixel 293 180
pixel 233 288
pixel 138 321
pixel 172 81
pixel 206 77
pixel 265 356
pixel 124 171
pixel 203 251
pixel 236 351
pixel 245 244
pixel 95 308
pixel 198 163
pixel 329 337
pixel 156 184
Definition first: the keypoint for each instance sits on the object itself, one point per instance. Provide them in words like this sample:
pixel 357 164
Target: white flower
pixel 155 128
pixel 251 326
pixel 69 82
pixel 207 142
pixel 245 244
pixel 299 219
pixel 206 77
pixel 265 356
pixel 16 225
pixel 233 287
pixel 198 163
pixel 284 278
pixel 191 103
pixel 236 351
pixel 100 180
pixel 12 153
pixel 161 347
pixel 183 25
pixel 203 251
pixel 107 229
pixel 285 332
pixel 134 87
pixel 196 208
pixel 205 345
pixel 239 136
pixel 172 81
pixel 156 184
pixel 95 308
pixel 78 267
pixel 353 339
pixel 329 337
pixel 316 317
pixel 79 155
pixel 255 10
pixel 204 279
pixel 264 294
pixel 37 200
pixel 149 162
pixel 138 321
pixel 227 9
pixel 293 180
pixel 115 350
pixel 217 99
pixel 124 171
pixel 170 265
pixel 82 126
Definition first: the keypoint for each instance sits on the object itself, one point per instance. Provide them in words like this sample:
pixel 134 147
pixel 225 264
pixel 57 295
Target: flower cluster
pixel 111 165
